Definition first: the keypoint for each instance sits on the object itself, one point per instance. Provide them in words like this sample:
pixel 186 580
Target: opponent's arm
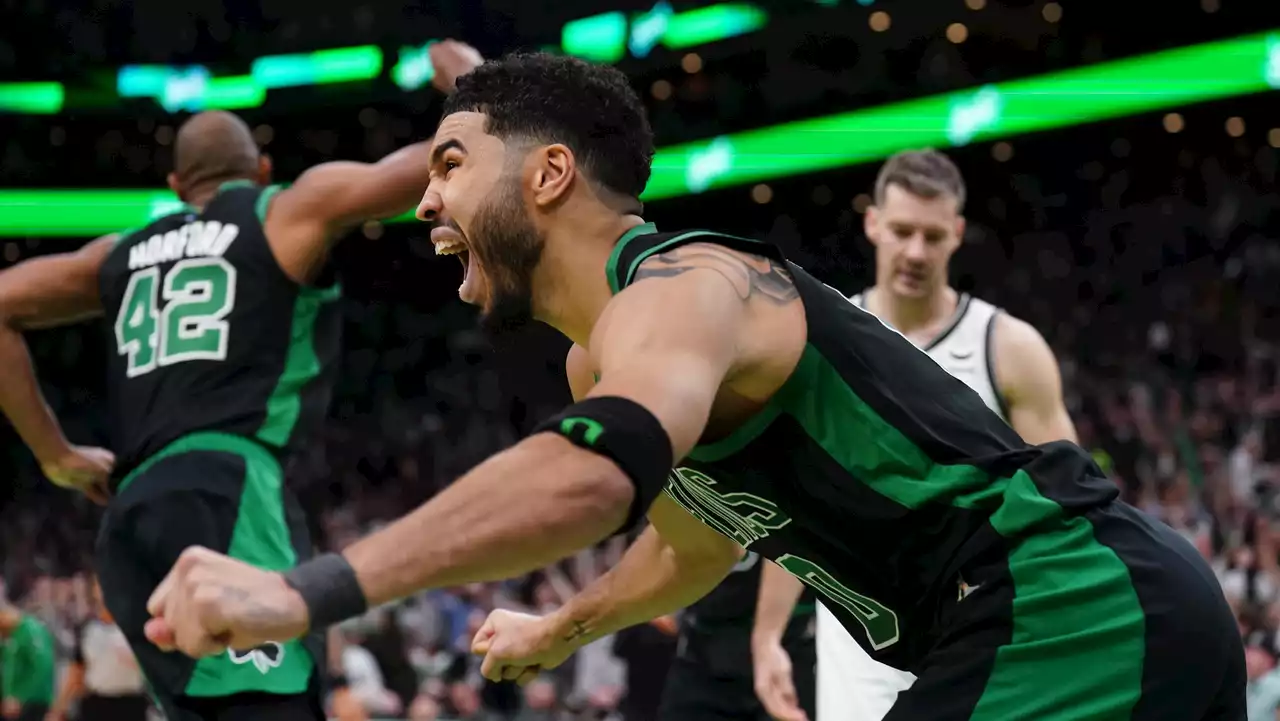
pixel 1028 378
pixel 43 292
pixel 779 592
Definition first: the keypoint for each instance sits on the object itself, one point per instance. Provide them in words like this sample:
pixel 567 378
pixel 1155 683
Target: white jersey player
pixel 915 226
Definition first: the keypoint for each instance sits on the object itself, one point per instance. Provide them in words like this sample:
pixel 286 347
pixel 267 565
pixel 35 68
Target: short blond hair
pixel 926 173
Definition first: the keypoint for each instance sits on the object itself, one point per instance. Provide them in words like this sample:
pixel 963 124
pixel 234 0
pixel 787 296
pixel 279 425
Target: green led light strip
pixel 1153 82
pixel 602 38
pixel 31 98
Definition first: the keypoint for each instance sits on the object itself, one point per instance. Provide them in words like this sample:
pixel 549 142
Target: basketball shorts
pixel 1101 616
pixel 225 493
pixel 711 677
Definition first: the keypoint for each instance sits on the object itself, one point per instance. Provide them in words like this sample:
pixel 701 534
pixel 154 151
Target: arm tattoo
pixel 752 276
pixel 255 611
pixel 578 631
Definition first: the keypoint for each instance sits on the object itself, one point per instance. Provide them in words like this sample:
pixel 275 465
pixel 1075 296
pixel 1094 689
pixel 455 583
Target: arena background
pixel 1121 161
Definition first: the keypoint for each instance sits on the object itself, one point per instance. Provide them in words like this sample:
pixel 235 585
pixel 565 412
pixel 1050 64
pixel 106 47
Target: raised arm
pixel 44 292
pixel 330 199
pixel 1028 377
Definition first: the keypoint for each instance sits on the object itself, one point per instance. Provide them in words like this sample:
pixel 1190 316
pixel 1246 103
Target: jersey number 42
pixel 180 317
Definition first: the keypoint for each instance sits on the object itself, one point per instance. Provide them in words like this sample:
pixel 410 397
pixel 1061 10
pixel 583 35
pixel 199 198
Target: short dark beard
pixel 509 248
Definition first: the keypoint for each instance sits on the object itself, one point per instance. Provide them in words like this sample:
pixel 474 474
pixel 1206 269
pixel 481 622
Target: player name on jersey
pixel 198 239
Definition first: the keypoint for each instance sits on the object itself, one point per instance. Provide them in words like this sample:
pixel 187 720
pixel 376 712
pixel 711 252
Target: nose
pixel 914 249
pixel 430 207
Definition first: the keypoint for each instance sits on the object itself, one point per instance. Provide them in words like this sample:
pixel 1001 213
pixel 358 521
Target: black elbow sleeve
pixel 626 433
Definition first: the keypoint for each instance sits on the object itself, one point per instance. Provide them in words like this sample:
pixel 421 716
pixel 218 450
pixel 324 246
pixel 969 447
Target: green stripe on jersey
pixel 868 447
pixel 301 366
pixel 1077 620
pixel 264 201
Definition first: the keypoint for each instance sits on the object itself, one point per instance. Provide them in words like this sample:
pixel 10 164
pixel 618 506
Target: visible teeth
pixel 450 248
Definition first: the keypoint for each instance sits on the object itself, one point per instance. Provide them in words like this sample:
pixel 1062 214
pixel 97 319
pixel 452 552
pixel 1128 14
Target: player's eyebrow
pixel 438 152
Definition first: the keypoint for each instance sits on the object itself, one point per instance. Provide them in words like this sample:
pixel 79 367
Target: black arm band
pixel 626 433
pixel 337 681
pixel 329 587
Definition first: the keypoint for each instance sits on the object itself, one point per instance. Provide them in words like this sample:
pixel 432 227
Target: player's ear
pixel 175 185
pixel 553 171
pixel 869 225
pixel 264 169
pixel 960 226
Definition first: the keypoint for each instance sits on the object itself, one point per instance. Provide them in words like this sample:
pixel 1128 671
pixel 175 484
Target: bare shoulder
pixel 752 276
pixel 1021 355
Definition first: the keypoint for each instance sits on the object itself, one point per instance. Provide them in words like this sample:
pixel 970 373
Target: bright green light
pixel 338 65
pixel 1154 82
pixel 414 68
pixel 233 93
pixel 31 98
pixel 599 38
pixel 711 24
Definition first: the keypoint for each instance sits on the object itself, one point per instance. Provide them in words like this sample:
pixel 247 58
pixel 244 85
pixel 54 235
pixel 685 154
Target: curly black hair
pixel 592 109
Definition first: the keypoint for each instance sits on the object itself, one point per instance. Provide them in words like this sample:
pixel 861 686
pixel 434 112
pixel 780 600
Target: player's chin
pixel 909 286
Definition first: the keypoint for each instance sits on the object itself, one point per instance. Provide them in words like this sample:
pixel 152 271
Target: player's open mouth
pixel 447 241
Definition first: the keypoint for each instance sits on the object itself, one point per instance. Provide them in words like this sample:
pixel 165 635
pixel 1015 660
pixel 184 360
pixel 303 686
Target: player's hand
pixel 517 646
pixel 82 468
pixel 774 685
pixel 452 59
pixel 209 603
pixel 10 708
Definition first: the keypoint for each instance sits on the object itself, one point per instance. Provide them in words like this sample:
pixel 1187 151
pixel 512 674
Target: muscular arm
pixel 41 293
pixel 673 563
pixel 330 199
pixel 1028 377
pixel 556 497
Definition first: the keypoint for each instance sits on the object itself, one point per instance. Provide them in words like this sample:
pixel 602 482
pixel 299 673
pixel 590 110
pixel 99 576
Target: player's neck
pixel 909 315
pixel 571 275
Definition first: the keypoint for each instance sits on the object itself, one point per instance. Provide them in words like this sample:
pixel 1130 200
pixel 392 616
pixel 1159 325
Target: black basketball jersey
pixel 210 334
pixel 732 604
pixel 872 474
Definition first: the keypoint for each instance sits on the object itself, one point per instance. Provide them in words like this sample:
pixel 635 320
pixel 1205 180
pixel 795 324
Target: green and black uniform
pixel 220 364
pixel 29 666
pixel 1008 578
pixel 711 677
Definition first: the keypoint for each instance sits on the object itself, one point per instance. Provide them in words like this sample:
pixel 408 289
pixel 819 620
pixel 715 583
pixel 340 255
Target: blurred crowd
pixel 1149 261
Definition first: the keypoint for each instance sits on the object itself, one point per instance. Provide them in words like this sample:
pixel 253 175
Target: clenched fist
pixel 210 602
pixel 517 646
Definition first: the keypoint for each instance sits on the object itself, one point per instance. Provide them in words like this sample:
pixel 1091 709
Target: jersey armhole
pixel 263 205
pixel 991 363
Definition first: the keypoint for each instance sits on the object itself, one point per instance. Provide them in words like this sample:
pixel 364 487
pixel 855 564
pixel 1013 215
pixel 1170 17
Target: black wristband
pixel 329 587
pixel 338 680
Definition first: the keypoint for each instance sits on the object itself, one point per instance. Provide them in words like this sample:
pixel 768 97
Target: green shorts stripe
pixel 1079 630
pixel 262 537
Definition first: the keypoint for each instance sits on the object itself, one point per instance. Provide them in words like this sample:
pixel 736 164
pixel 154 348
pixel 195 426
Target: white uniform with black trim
pixel 851 685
